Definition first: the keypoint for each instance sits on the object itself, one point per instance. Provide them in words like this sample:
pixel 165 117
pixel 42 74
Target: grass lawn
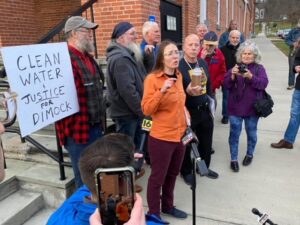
pixel 279 43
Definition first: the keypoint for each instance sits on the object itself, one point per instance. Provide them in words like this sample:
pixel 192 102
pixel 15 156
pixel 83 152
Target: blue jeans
pixel 224 101
pixel 236 123
pixel 132 126
pixel 75 151
pixel 293 127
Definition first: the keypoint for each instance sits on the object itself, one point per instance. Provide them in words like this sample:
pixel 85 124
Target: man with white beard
pixel 125 77
pixel 81 129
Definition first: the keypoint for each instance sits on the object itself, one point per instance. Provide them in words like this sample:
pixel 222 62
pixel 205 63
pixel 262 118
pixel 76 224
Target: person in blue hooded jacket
pixel 113 150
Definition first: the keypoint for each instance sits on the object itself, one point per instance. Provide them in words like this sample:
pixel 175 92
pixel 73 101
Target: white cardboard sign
pixel 42 77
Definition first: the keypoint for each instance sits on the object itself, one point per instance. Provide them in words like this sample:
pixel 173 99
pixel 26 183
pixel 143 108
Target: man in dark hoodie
pixel 125 77
pixel 229 50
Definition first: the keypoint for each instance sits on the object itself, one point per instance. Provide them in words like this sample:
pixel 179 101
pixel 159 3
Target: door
pixel 171 22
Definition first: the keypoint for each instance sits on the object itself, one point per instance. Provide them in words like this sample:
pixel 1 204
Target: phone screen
pixel 115 188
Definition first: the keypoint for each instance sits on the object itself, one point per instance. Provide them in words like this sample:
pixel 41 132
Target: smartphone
pixel 115 188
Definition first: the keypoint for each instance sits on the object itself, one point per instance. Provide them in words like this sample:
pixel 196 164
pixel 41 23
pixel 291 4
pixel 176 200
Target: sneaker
pixel 290 87
pixel 155 218
pixel 188 179
pixel 177 213
pixel 212 174
pixel 224 120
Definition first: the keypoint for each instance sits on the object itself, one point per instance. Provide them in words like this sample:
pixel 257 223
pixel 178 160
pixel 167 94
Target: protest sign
pixel 42 77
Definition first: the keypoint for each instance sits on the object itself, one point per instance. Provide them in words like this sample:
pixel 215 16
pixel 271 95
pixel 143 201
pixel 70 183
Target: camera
pixel 242 68
pixel 115 189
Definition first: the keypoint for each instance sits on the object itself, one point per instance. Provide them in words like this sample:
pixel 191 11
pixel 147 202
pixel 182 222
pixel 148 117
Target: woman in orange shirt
pixel 164 101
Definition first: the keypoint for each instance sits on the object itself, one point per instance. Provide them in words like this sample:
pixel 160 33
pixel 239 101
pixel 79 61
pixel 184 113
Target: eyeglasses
pixel 170 53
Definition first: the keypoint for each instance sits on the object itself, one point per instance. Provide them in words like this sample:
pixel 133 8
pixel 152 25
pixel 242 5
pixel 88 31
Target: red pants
pixel 166 158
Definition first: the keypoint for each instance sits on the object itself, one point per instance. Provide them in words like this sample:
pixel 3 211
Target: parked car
pixel 285 33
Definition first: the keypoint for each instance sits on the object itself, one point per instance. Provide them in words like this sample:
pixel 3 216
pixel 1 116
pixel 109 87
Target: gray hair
pixel 201 25
pixel 248 45
pixel 234 31
pixel 148 26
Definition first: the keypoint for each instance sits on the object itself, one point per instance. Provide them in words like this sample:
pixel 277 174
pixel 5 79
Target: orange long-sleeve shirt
pixel 166 110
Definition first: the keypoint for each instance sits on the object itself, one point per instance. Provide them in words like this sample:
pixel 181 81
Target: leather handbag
pixel 263 107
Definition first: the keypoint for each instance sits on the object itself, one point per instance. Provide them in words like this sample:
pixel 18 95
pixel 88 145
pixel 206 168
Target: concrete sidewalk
pixel 271 183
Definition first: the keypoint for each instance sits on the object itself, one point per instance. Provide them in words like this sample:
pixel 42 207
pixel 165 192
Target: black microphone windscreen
pixel 256 212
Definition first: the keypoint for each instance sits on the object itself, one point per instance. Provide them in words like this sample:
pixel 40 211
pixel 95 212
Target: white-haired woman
pixel 246 82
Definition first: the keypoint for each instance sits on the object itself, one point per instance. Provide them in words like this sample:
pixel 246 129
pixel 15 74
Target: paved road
pixel 271 183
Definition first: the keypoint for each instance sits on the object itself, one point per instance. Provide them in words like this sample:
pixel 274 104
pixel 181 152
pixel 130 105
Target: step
pixel 19 207
pixel 8 186
pixel 41 217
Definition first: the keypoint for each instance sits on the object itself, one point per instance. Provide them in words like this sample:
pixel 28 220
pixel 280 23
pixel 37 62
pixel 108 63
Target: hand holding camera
pixel 241 70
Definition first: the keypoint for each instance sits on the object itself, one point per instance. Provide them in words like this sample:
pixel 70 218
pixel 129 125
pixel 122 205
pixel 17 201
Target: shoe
pixel 212 174
pixel 177 213
pixel 156 219
pixel 282 144
pixel 234 165
pixel 247 160
pixel 140 173
pixel 188 179
pixel 290 87
pixel 138 188
pixel 224 120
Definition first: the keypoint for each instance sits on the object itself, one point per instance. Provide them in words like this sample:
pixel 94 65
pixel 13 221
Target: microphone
pixel 191 138
pixel 146 127
pixel 263 217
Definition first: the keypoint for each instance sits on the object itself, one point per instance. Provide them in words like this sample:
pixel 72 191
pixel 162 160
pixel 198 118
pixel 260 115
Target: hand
pixel 203 53
pixel 137 215
pixel 194 91
pixel 248 74
pixel 149 48
pixel 95 218
pixel 297 69
pixel 235 71
pixel 168 84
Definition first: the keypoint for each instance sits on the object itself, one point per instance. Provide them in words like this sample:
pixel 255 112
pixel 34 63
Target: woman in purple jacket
pixel 246 82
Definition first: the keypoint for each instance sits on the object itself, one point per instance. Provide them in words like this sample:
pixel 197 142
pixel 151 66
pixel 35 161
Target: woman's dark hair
pixel 112 150
pixel 159 65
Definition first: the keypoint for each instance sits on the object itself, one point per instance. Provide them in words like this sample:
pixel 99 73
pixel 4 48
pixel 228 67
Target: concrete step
pixel 8 186
pixel 19 207
pixel 41 217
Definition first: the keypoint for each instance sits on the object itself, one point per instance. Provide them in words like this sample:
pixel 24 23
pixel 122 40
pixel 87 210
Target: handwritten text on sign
pixel 42 77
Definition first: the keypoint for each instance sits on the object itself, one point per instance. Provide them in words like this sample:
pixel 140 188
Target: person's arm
pixel 221 70
pixel 126 85
pixel 289 38
pixel 258 77
pixel 297 60
pixel 223 39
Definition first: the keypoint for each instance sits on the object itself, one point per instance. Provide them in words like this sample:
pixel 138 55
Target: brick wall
pixel 51 12
pixel 24 22
pixel 18 23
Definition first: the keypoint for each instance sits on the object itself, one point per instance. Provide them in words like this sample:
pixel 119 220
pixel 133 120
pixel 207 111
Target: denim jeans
pixel 293 127
pixel 75 151
pixel 236 123
pixel 131 126
pixel 224 101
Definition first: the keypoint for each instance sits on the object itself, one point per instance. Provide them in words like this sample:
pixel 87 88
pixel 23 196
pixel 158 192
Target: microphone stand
pixel 196 162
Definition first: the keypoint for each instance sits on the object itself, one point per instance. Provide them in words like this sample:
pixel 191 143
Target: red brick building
pixel 26 22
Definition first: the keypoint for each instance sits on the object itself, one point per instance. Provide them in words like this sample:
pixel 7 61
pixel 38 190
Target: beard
pixel 135 48
pixel 86 45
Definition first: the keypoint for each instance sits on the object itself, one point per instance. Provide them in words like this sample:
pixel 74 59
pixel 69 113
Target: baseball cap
pixel 210 38
pixel 75 22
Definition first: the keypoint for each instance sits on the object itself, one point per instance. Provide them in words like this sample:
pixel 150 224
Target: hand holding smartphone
pixel 115 187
